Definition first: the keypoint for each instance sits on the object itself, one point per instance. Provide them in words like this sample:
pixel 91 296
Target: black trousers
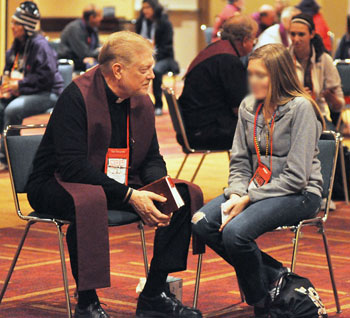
pixel 171 243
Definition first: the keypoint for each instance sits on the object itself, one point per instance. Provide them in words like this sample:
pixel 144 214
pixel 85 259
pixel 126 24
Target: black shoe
pixel 92 311
pixel 261 312
pixel 164 306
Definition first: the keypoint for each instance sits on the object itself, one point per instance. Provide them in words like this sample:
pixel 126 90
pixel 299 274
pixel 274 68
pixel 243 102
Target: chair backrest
pixel 176 117
pixel 20 152
pixel 66 68
pixel 343 67
pixel 328 146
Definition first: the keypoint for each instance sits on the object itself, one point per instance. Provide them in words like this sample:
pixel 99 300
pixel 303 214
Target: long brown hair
pixel 284 83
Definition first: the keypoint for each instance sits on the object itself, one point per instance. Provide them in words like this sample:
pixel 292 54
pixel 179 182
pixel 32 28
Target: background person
pixel 265 17
pixel 279 33
pixel 343 50
pixel 80 41
pixel 315 68
pixel 215 84
pixel 284 141
pixel 35 82
pixel 154 25
pixel 232 7
pixel 312 8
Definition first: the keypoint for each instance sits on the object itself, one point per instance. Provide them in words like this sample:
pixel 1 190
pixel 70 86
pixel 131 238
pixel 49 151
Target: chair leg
pixel 198 167
pixel 64 268
pixel 144 250
pixel 295 248
pixel 330 267
pixel 198 278
pixel 15 258
pixel 343 172
pixel 182 165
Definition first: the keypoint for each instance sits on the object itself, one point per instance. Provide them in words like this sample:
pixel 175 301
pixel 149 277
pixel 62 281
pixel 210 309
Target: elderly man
pixel 79 39
pixel 104 114
pixel 215 84
pixel 279 33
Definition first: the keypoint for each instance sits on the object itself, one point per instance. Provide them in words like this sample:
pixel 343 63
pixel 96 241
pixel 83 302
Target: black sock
pixel 87 297
pixel 155 284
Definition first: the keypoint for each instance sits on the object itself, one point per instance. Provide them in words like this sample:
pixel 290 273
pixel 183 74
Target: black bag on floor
pixel 297 299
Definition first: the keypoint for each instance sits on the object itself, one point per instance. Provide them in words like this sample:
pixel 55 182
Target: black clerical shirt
pixel 65 144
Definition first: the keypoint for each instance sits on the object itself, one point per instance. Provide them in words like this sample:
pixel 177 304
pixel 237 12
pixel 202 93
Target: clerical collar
pixel 111 97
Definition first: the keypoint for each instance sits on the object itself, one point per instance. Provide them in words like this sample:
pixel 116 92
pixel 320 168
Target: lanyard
pixel 256 144
pixel 15 63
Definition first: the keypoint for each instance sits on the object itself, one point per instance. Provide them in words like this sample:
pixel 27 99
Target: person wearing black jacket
pixel 343 50
pixel 80 41
pixel 154 25
pixel 215 84
pixel 35 82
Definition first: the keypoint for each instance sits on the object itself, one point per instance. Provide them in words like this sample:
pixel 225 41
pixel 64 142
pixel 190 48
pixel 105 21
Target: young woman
pixel 154 25
pixel 315 67
pixel 275 176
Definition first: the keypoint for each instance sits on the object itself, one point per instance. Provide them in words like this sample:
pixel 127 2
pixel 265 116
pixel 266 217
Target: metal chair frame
pixel 57 222
pixel 177 120
pixel 318 222
pixel 338 129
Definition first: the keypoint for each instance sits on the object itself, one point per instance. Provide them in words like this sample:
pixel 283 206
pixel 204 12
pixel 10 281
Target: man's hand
pixel 233 207
pixel 142 202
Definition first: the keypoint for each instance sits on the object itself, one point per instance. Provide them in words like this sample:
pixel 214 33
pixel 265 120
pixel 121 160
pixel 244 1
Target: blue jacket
pixel 40 66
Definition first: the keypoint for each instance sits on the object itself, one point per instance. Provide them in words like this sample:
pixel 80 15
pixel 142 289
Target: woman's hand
pixel 233 207
pixel 10 88
pixel 332 99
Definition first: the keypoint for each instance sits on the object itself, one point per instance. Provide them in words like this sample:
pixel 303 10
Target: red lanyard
pixel 15 63
pixel 256 144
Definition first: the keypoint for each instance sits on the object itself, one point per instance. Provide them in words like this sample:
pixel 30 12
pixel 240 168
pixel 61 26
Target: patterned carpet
pixel 36 286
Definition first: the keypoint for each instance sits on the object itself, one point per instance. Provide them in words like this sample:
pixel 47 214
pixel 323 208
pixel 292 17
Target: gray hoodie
pixel 295 166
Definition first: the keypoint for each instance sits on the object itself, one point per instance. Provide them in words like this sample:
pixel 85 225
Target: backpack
pixel 297 299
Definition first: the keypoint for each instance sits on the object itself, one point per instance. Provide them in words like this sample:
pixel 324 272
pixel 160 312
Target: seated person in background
pixel 32 83
pixel 283 110
pixel 215 84
pixel 91 119
pixel 343 50
pixel 265 17
pixel 315 68
pixel 280 5
pixel 154 25
pixel 312 8
pixel 278 33
pixel 233 7
pixel 79 39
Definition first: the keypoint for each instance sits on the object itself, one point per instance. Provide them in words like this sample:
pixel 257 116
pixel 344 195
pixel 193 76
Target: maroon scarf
pixel 215 48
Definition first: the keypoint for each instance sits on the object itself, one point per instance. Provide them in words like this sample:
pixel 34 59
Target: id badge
pixel 261 176
pixel 16 75
pixel 117 164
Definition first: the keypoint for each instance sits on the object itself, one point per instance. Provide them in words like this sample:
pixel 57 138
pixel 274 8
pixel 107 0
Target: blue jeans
pixel 255 270
pixel 13 111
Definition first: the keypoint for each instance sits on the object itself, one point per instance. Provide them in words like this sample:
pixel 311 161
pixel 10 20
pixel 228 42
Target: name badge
pixel 16 75
pixel 261 176
pixel 117 164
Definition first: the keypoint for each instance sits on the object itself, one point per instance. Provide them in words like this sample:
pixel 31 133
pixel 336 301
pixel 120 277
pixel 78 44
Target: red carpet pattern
pixel 36 288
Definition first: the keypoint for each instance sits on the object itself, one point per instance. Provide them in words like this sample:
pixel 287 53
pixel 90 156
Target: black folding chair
pixel 179 127
pixel 20 152
pixel 328 146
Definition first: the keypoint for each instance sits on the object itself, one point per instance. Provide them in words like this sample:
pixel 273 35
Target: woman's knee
pixel 234 237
